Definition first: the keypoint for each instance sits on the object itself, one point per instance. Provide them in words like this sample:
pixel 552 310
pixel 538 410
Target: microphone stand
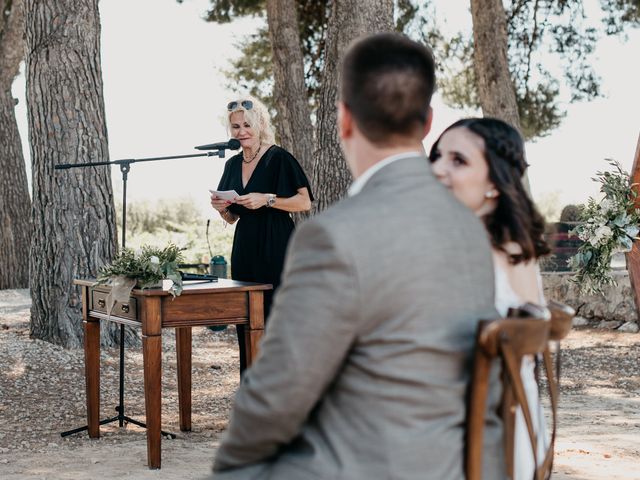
pixel 125 167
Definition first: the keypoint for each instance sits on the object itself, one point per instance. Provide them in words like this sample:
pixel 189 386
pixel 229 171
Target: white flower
pixel 606 205
pixel 601 234
pixel 155 260
pixel 137 254
pixel 584 234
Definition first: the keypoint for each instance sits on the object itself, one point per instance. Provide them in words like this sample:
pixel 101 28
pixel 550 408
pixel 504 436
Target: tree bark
pixel 496 90
pixel 73 213
pixel 349 20
pixel 15 204
pixel 290 92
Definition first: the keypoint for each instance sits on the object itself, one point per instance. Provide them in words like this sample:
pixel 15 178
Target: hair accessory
pixel 247 104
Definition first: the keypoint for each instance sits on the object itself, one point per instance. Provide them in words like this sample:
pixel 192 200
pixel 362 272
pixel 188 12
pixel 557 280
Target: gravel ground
pixel 42 394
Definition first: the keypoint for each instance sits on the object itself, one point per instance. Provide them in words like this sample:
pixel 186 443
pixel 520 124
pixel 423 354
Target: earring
pixel 491 194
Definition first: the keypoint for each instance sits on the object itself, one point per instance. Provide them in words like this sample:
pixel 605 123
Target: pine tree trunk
pixel 290 92
pixel 349 20
pixel 15 204
pixel 74 219
pixel 495 88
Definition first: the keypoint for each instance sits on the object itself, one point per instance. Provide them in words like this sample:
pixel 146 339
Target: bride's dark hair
pixel 515 218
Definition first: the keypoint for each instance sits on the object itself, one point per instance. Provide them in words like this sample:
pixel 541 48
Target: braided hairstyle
pixel 515 218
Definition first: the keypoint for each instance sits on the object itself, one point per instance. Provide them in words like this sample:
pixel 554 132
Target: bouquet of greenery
pixel 146 267
pixel 608 227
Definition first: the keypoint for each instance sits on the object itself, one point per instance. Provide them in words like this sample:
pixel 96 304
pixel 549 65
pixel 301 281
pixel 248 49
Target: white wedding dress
pixel 505 298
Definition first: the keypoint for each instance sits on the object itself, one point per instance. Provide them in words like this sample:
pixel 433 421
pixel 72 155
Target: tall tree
pixel 290 92
pixel 15 204
pixel 537 30
pixel 74 219
pixel 493 79
pixel 349 20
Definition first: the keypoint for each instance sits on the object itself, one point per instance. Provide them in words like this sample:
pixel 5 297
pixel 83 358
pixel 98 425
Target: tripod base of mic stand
pixel 118 418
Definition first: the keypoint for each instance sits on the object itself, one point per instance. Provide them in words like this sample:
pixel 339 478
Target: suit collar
pixel 359 183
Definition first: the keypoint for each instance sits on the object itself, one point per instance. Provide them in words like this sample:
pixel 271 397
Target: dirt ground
pixel 42 394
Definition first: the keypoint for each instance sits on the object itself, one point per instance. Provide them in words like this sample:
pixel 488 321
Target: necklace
pixel 254 156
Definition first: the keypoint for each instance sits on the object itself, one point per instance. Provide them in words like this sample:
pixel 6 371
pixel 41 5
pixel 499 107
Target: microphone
pixel 232 144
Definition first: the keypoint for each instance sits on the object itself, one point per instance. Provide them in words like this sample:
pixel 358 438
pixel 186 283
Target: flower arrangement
pixel 608 227
pixel 146 267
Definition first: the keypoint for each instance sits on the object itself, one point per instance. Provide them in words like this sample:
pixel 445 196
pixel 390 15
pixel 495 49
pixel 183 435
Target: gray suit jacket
pixel 365 363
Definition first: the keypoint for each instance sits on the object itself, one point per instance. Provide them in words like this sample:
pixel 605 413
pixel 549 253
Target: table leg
pixel 183 354
pixel 253 332
pixel 92 374
pixel 252 341
pixel 152 359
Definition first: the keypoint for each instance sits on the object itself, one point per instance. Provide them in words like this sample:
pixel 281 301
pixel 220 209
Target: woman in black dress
pixel 271 185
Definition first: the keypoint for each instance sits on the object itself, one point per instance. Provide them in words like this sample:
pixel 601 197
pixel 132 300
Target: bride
pixel 481 160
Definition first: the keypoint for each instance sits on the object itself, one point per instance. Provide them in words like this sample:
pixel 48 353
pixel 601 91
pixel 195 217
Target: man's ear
pixel 345 121
pixel 427 124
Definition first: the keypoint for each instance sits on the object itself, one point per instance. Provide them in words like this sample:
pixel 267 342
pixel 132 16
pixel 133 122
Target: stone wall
pixel 616 306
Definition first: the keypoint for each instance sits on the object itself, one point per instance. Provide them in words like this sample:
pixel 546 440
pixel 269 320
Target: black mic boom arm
pixel 232 144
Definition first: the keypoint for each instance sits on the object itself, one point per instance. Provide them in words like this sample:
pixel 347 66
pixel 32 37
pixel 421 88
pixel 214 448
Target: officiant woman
pixel 271 185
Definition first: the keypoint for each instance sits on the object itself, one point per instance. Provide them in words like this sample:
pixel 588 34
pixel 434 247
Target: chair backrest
pixel 561 323
pixel 561 320
pixel 524 332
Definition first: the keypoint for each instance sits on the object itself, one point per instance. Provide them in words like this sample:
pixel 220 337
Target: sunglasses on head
pixel 247 104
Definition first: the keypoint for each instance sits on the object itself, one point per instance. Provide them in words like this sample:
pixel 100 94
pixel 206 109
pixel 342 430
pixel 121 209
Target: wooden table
pixel 221 303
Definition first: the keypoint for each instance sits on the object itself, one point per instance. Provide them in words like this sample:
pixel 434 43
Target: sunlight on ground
pixel 17 370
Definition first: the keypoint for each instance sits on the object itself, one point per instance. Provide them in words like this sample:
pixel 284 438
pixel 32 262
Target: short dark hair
pixel 515 218
pixel 387 84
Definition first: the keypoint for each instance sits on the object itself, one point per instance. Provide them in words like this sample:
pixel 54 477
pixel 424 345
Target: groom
pixel 363 369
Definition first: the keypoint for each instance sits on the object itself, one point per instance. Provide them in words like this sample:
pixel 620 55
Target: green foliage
pixel 224 11
pixel 539 110
pixel 560 25
pixel 457 85
pixel 620 13
pixel 250 72
pixel 609 226
pixel 171 215
pixel 178 222
pixel 313 17
pixel 147 266
pixel 405 12
pixel 253 70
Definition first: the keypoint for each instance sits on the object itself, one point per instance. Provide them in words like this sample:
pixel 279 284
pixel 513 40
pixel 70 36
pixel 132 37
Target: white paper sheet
pixel 229 195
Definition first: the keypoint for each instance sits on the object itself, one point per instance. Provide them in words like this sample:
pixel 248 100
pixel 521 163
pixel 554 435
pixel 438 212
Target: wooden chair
pixel 561 323
pixel 524 332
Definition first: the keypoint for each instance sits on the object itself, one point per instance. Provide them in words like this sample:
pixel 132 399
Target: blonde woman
pixel 271 184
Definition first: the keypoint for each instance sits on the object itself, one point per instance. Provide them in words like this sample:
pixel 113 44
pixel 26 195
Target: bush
pixel 179 222
pixel 571 213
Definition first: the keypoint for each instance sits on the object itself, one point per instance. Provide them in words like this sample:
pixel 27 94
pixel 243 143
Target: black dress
pixel 261 237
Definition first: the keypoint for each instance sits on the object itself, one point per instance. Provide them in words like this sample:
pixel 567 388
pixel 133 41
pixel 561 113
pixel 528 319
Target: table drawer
pixel 120 309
